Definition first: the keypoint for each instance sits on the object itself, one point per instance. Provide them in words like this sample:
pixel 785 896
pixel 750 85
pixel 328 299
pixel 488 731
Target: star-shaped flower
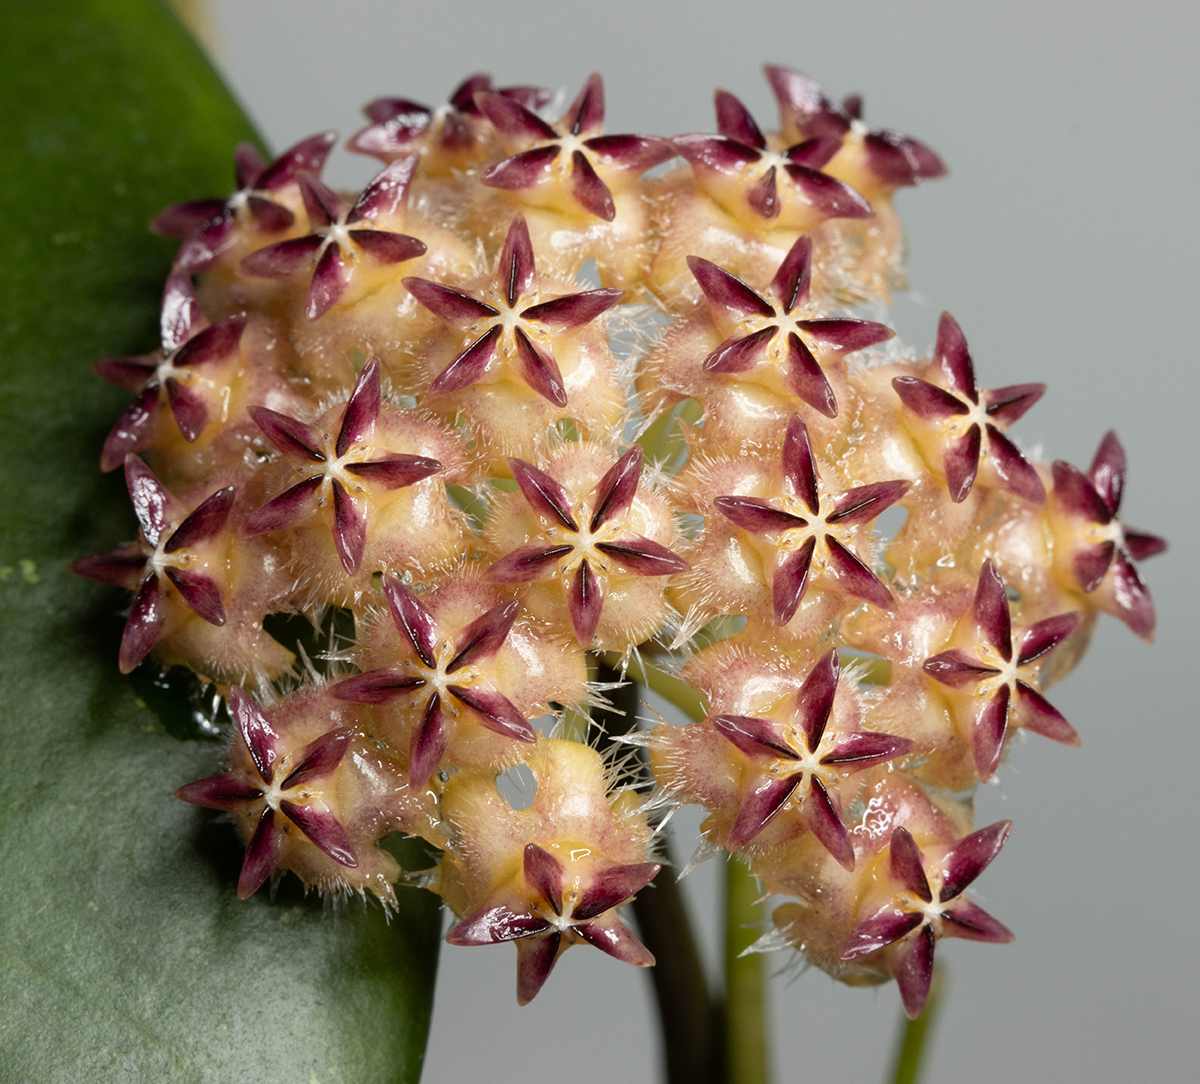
pixel 186 378
pixel 803 760
pixel 811 530
pixel 172 561
pixel 347 467
pixel 210 228
pixel 449 137
pixel 449 671
pixel 998 672
pixel 548 907
pixel 511 324
pixel 927 905
pixel 1099 542
pixel 774 327
pixel 343 238
pixel 281 792
pixel 785 189
pixel 570 165
pixel 584 556
pixel 968 423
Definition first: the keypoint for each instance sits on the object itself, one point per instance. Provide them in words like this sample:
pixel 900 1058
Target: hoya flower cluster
pixel 414 405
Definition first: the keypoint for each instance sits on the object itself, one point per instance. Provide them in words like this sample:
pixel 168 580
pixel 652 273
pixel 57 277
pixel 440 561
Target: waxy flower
pixel 773 327
pixel 213 228
pixel 345 239
pixel 996 675
pixel 346 467
pixel 802 761
pixel 811 531
pixel 925 904
pixel 1099 544
pixel 189 379
pixel 967 423
pixel 173 562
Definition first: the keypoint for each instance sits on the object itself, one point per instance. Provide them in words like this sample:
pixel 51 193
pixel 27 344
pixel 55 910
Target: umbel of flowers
pixel 412 404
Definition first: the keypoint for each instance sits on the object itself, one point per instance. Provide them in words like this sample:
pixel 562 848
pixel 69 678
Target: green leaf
pixel 124 952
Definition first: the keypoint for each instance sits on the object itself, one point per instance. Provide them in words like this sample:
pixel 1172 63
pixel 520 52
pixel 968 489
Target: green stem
pixel 746 1049
pixel 914 1033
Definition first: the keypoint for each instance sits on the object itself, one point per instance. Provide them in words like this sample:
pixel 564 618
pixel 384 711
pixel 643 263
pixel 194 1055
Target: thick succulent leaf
pixel 119 899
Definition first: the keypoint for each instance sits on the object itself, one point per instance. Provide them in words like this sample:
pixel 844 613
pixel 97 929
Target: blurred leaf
pixel 124 952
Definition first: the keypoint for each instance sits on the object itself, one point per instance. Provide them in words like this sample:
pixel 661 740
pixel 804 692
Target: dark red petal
pixel 536 957
pixel 728 292
pixel 248 165
pixel 735 122
pixel 716 152
pixel 907 864
pixel 131 374
pixel 428 743
pixel 291 506
pixel 574 310
pixel 1140 545
pixel 1006 405
pixel 759 807
pixel 495 711
pixel 213 343
pixel 863 503
pixel 1045 635
pixel 263 853
pixel 544 874
pixel 1014 469
pixel 512 119
pixel 1034 712
pixel 814 701
pixel 525 564
pixel 180 316
pixel 882 928
pixel 463 98
pixel 590 192
pixel 256 730
pixel 515 269
pixel 349 528
pixel 799 466
pixel 825 820
pixel 813 153
pixel 791 282
pixel 269 216
pixel 636 153
pixel 387 192
pixel 470 365
pixel 584 603
pixel 642 557
pixel 863 750
pixel 957 669
pixel 968 920
pixel 844 335
pixel 927 400
pixel 226 791
pixel 492 925
pixel 320 757
pixel 804 103
pixel 144 625
pixel 449 305
pixel 969 857
pixel 375 686
pixel 1132 597
pixel 888 161
pixel 740 352
pixel 413 620
pixel 543 494
pixel 1107 472
pixel 188 408
pixel 763 195
pixel 307 156
pixel 828 197
pixel 988 732
pixel 1090 565
pixel 287 434
pixel 201 594
pixel 120 567
pixel 200 251
pixel 153 504
pixel 362 408
pixel 618 941
pixel 322 829
pixel 1074 491
pixel 960 461
pixel 387 248
pixel 807 379
pixel 951 353
pixel 991 611
pixel 181 220
pixel 753 736
pixel 587 110
pixel 790 581
pixel 539 369
pixel 522 170
pixel 328 282
pixel 323 204
pixel 482 638
pixel 757 515
pixel 612 886
pixel 855 578
pixel 914 972
pixel 614 492
pixel 283 260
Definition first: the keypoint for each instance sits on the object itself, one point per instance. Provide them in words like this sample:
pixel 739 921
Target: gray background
pixel 1065 242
